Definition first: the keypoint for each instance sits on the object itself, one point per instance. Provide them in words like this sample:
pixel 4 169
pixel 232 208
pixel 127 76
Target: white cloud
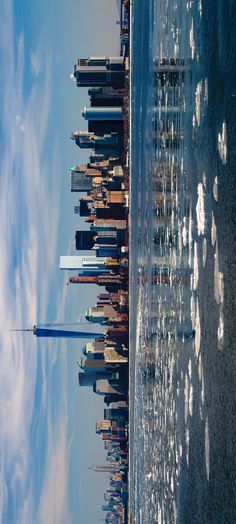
pixel 52 507
pixel 29 212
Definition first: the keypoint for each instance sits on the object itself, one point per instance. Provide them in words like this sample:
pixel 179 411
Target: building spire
pixel 22 330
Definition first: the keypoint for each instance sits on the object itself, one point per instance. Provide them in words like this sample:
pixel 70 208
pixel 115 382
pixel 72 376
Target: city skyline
pixel 35 146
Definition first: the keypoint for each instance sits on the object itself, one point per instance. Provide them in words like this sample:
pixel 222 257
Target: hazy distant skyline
pixel 43 414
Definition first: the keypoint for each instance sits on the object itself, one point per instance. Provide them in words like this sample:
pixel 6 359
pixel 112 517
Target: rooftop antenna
pixel 31 329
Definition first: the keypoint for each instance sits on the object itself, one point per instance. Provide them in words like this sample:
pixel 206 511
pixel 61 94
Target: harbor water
pixel 182 262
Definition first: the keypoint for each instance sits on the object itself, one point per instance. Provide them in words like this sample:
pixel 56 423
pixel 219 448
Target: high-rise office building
pixel 108 468
pixel 52 332
pixel 108 144
pixel 80 182
pixel 116 413
pixel 95 366
pixel 103 425
pixel 81 262
pixel 114 357
pixel 94 349
pixel 100 71
pixel 103 127
pixel 102 280
pixel 103 113
pixel 84 204
pixel 102 386
pixel 117 213
pixel 89 379
pixel 108 224
pixel 100 314
pixel 84 240
pixel 109 237
pixel 93 272
pixel 105 96
pixel 95 157
pixel 107 251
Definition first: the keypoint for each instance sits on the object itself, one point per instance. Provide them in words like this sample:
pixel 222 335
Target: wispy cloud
pixel 29 212
pixel 52 506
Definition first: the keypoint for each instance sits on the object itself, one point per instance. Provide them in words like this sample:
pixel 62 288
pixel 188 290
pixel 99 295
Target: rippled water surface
pixel 183 269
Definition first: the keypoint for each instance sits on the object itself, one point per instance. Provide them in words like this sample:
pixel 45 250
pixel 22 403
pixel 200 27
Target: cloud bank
pixel 29 201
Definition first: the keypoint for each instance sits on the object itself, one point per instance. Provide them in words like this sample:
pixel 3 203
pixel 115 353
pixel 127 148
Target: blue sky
pixel 47 438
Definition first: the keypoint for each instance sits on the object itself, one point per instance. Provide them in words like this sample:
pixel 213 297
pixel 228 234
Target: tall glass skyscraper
pixel 100 71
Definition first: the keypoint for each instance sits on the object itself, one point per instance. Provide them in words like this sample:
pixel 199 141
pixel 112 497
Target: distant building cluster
pixel 104 203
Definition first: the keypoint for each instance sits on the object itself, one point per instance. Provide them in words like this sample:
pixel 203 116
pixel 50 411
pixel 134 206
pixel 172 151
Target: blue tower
pixel 50 332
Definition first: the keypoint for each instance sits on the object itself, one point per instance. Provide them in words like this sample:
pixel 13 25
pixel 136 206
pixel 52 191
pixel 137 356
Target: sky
pixel 47 436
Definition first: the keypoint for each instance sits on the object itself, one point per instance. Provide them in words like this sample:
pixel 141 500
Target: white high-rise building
pixel 80 262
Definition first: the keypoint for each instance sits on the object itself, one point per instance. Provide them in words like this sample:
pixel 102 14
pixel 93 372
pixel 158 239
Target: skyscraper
pixel 84 240
pixel 103 113
pixel 52 332
pixel 105 96
pixel 81 262
pixel 108 144
pixel 80 182
pixel 108 468
pixel 100 71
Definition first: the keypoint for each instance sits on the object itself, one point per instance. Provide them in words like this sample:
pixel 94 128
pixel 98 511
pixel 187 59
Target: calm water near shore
pixel 183 268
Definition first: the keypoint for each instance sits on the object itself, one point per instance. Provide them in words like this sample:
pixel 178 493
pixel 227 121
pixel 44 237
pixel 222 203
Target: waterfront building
pixel 103 113
pixel 100 71
pixel 84 240
pixel 80 182
pixel 102 426
pixel 46 331
pixel 81 262
pixel 111 284
pixel 97 366
pixel 119 333
pixel 105 96
pixel 107 250
pixel 84 205
pixel 89 379
pixel 116 412
pixel 94 349
pixel 91 365
pixel 97 159
pixel 108 468
pixel 103 127
pixel 112 356
pixel 104 386
pixel 119 213
pixel 93 272
pixel 106 144
pixel 107 224
pixel 110 236
pixel 116 197
pixel 88 171
pixel 101 314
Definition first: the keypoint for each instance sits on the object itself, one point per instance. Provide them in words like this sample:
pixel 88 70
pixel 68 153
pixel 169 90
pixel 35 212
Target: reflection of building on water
pixel 170 265
pixel 170 72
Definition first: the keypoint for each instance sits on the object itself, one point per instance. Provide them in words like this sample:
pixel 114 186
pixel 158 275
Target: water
pixel 182 277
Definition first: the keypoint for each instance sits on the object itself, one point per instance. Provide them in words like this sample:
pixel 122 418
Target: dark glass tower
pixel 100 71
pixel 84 240
pixel 50 332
